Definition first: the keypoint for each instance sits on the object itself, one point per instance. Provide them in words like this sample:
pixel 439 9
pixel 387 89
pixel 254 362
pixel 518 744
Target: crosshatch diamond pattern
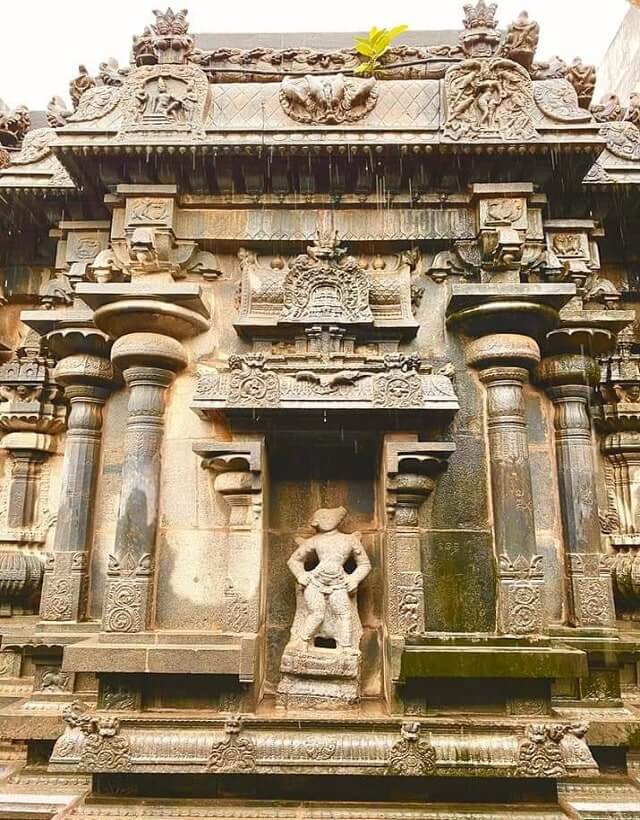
pixel 402 104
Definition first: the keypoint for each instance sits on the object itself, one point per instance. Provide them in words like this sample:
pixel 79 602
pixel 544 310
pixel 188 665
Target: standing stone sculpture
pixel 321 662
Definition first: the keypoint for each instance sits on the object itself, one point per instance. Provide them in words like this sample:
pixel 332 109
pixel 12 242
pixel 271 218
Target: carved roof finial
pixel 170 23
pixel 480 37
pixel 326 245
pixel 169 36
pixel 482 15
pixel 14 124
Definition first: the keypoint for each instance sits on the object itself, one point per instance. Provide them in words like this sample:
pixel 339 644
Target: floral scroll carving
pixel 234 753
pixel 105 749
pixel 410 756
pixel 540 754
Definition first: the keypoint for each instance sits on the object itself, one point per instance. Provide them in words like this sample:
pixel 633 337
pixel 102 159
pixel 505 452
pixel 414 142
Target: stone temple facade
pixel 320 436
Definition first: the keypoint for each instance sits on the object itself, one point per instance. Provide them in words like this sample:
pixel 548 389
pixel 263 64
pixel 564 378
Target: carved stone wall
pixel 319 432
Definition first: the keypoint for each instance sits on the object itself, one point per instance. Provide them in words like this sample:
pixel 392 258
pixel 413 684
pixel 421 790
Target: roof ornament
pixel 480 37
pixel 57 112
pixel 583 78
pixel 170 36
pixel 521 40
pixel 83 82
pixel 14 124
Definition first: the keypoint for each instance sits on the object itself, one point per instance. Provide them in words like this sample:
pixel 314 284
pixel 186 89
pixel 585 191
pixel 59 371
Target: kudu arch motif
pixel 320 422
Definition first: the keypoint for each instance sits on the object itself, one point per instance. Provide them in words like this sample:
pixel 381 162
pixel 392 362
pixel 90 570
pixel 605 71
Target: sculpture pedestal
pixel 318 678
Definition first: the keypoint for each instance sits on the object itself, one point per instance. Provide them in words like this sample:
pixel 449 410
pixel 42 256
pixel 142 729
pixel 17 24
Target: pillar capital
pixel 568 370
pixel 500 351
pixel 148 353
pixel 85 370
pixel 513 308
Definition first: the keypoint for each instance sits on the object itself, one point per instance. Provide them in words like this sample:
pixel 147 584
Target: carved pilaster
pixel 411 469
pixel 31 413
pixel 503 361
pixel 130 573
pixel 620 422
pixel 236 467
pixel 569 379
pixel 87 381
pixel 27 452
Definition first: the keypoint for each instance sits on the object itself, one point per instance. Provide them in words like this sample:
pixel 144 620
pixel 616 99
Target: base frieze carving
pixel 502 748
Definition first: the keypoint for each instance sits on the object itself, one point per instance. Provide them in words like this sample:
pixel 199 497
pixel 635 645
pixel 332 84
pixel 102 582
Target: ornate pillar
pixel 569 380
pixel 506 320
pixel 503 361
pixel 149 363
pixel 87 380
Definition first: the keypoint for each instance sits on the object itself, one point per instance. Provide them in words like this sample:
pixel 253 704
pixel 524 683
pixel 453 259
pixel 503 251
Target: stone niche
pixel 310 473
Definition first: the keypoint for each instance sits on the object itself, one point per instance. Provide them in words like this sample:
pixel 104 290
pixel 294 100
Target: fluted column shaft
pixel 503 361
pixel 87 381
pixel 509 450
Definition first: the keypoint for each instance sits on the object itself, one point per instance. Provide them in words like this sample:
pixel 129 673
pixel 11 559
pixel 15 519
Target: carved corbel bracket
pixel 503 222
pixel 146 242
pixel 412 468
pixel 574 244
pixel 79 243
pixel 237 470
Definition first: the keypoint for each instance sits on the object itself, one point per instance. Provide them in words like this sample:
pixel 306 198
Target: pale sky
pixel 43 42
